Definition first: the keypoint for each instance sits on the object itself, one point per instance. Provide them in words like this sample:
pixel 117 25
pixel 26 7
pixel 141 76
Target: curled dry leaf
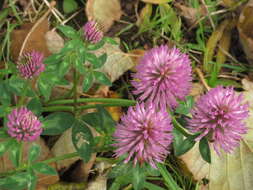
pixel 105 16
pixel 228 171
pixel 54 41
pixel 36 40
pixel 245 28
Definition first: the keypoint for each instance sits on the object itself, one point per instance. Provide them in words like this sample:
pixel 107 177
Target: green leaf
pixel 16 85
pixel 102 78
pixel 5 97
pixel 102 59
pixel 204 150
pixel 185 106
pixel 88 81
pixel 82 139
pixel 138 177
pixel 69 6
pixel 3 133
pixel 35 106
pixel 34 152
pixel 91 58
pixel 32 181
pixel 5 145
pixel 93 47
pixel 53 59
pixel 120 170
pixel 68 32
pixel 43 168
pixel 185 146
pixel 169 181
pixel 63 68
pixel 56 123
pixel 79 65
pixel 102 121
pixel 110 41
pixel 45 86
pixel 14 154
pixel 18 181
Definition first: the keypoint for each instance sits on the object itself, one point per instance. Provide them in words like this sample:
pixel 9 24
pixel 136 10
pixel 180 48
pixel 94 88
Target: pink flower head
pixel 92 32
pixel 144 134
pixel 23 125
pixel 163 77
pixel 31 64
pixel 219 115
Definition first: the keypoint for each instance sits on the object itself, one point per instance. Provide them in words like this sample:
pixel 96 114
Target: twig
pixel 53 10
pixel 52 4
pixel 202 78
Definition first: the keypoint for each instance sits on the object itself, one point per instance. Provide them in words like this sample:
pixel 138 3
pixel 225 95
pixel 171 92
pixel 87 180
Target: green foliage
pixel 43 168
pixel 33 153
pixel 204 150
pixel 57 122
pixel 69 6
pixel 82 139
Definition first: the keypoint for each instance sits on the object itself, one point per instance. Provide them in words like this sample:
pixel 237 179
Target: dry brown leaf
pixel 156 1
pixel 36 40
pixel 117 62
pixel 229 171
pixel 190 14
pixel 245 28
pixel 98 183
pixel 136 56
pixel 54 41
pixel 104 12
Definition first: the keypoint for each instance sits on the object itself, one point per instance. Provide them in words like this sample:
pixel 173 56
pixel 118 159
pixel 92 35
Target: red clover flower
pixel 31 64
pixel 163 76
pixel 92 33
pixel 144 134
pixel 23 125
pixel 219 115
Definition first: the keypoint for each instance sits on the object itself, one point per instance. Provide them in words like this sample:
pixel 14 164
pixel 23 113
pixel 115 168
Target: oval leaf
pixel 56 123
pixel 204 150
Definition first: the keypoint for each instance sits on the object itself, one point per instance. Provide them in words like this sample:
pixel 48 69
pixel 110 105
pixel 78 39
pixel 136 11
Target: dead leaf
pixel 54 41
pixel 136 56
pixel 98 183
pixel 191 14
pixel 245 28
pixel 229 171
pixel 105 16
pixel 156 1
pixel 117 62
pixel 36 40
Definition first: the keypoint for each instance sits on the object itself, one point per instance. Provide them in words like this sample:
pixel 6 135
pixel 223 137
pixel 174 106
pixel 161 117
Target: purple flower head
pixel 144 134
pixel 219 116
pixel 92 33
pixel 163 76
pixel 31 64
pixel 23 125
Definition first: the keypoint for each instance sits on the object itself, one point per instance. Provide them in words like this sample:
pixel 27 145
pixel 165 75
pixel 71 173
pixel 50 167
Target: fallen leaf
pixel 228 171
pixel 136 56
pixel 245 28
pixel 156 1
pixel 105 16
pixel 36 40
pixel 98 183
pixel 117 62
pixel 54 42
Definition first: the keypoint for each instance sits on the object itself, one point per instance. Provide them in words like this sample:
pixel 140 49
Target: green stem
pixel 71 108
pixel 20 153
pixel 75 90
pixel 86 100
pixel 179 127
